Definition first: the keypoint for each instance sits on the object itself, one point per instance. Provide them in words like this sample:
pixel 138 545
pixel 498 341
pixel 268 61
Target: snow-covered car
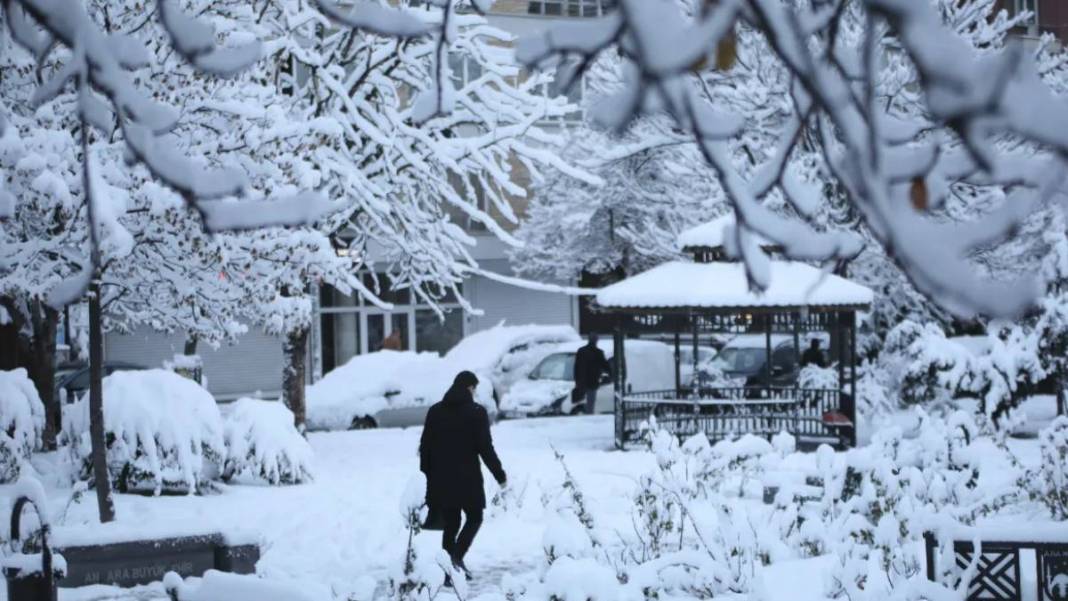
pixel 686 362
pixel 547 390
pixel 385 389
pixel 744 359
pixel 509 353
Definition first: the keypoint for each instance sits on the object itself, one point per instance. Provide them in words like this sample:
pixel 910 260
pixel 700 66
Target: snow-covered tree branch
pixel 895 166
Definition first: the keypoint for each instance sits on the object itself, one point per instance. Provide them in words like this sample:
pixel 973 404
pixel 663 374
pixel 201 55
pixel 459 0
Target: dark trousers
pixel 455 541
pixel 591 400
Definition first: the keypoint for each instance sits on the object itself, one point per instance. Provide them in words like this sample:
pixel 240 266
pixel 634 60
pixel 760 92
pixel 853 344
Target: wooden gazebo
pixel 710 295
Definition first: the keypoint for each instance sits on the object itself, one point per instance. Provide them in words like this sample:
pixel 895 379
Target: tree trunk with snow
pixel 295 350
pixel 190 345
pixel 45 322
pixel 96 405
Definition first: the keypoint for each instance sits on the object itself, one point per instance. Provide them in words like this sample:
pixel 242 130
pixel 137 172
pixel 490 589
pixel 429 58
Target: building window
pixel 575 95
pixel 569 8
pixel 1019 7
pixel 349 326
pixel 465 69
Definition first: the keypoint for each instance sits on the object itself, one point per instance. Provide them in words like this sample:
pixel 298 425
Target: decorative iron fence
pixel 726 413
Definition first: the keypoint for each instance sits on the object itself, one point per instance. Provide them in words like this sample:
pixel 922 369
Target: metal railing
pixel 725 413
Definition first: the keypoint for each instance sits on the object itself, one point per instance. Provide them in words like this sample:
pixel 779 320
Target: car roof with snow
pixel 482 350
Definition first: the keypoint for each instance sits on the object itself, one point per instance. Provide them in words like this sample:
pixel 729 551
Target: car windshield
pixel 560 366
pixel 746 360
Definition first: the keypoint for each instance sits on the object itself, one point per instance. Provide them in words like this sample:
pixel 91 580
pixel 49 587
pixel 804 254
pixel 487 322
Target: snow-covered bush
pixel 21 421
pixel 1049 482
pixel 419 577
pixel 262 442
pixel 163 431
pixel 814 377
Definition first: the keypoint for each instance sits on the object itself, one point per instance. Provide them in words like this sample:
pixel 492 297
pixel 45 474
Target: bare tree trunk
pixel 96 405
pixel 190 345
pixel 45 321
pixel 1060 382
pixel 295 350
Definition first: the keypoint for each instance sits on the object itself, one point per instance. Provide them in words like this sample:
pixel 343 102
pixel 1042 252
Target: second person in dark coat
pixel 455 436
pixel 590 365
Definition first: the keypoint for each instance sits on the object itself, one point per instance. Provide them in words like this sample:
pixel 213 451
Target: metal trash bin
pixel 26 582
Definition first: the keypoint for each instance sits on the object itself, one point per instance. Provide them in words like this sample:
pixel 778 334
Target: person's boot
pixel 458 563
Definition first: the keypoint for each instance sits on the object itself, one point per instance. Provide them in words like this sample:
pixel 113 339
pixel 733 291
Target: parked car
pixel 72 379
pixel 686 362
pixel 385 389
pixel 508 353
pixel 744 359
pixel 547 390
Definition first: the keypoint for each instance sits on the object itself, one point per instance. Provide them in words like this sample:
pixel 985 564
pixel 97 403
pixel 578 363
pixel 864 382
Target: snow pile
pixel 164 431
pixel 21 421
pixel 374 382
pixel 216 585
pixel 508 353
pixel 263 443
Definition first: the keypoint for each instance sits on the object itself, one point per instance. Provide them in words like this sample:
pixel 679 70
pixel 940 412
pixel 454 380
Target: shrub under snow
pixel 262 442
pixel 21 421
pixel 163 431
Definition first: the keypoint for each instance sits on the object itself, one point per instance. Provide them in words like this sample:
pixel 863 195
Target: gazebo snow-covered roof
pixel 712 235
pixel 721 285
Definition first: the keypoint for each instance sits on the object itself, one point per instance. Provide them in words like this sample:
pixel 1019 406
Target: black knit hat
pixel 465 379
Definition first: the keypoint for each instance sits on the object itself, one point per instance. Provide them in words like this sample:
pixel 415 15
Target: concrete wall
pixel 252 365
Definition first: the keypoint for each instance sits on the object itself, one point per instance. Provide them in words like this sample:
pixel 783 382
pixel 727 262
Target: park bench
pixel 1004 554
pixel 114 559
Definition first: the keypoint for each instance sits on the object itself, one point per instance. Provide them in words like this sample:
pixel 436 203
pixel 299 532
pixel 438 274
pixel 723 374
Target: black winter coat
pixel 455 436
pixel 590 363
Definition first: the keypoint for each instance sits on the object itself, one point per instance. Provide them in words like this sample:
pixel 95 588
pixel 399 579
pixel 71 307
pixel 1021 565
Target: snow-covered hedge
pixel 21 421
pixel 163 431
pixel 263 443
pixel 927 368
pixel 700 530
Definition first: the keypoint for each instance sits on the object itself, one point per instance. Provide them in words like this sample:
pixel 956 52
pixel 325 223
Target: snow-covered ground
pixel 343 536
pixel 347 527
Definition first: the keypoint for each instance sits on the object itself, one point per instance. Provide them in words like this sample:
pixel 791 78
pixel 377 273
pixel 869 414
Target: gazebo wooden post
pixel 678 360
pixel 619 379
pixel 767 354
pixel 841 353
pixel 853 379
pixel 796 317
pixel 696 342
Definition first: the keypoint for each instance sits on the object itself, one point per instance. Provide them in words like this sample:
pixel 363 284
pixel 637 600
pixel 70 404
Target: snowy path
pixel 346 526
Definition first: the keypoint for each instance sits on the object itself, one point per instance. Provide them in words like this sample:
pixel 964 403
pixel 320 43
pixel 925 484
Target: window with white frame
pixel 465 69
pixel 1019 7
pixel 350 326
pixel 569 8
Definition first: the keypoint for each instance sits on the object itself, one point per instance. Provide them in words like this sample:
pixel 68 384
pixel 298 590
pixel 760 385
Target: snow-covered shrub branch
pixel 701 532
pixel 163 432
pixel 21 422
pixel 262 443
pixel 850 76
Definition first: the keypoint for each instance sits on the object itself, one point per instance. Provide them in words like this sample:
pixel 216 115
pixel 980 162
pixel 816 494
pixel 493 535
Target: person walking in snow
pixel 590 365
pixel 455 436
